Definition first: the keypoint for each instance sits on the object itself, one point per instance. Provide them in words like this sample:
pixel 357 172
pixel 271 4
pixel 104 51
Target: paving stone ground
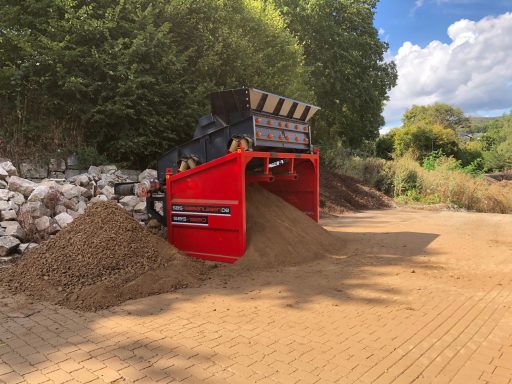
pixel 414 296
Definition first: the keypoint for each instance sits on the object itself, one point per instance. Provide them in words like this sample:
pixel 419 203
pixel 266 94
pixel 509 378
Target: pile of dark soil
pixel 102 258
pixel 342 194
pixel 278 234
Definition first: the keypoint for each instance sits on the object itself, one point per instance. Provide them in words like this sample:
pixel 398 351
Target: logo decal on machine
pixel 190 220
pixel 202 209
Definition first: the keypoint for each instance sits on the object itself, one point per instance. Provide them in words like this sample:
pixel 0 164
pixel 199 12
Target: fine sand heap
pixel 278 234
pixel 101 259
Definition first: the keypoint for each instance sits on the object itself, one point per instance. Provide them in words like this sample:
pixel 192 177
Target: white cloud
pixel 473 71
pixel 381 31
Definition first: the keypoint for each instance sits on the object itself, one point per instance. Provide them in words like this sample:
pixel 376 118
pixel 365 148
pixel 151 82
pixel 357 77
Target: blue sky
pixel 474 42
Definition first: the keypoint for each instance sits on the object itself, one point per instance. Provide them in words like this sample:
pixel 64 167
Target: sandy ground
pixel 413 296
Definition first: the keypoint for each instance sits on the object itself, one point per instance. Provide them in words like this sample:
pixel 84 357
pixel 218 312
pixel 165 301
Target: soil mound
pixel 102 258
pixel 278 234
pixel 341 194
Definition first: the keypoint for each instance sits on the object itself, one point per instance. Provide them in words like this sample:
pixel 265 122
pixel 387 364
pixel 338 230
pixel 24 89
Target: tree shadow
pixel 148 344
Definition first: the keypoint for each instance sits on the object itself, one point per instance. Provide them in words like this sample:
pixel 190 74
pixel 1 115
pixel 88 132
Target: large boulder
pixel 129 202
pixel 108 169
pixel 3 174
pixel 23 186
pixel 13 228
pixel 63 219
pixel 94 172
pixel 98 198
pixel 33 170
pixel 10 214
pixel 128 174
pixel 42 224
pixel 148 174
pixel 4 205
pixel 82 180
pixel 108 191
pixel 17 198
pixel 25 247
pixel 34 209
pixel 4 194
pixel 80 207
pixel 70 191
pixel 70 173
pixel 8 245
pixel 9 168
pixel 39 193
pixel 57 165
pixel 140 207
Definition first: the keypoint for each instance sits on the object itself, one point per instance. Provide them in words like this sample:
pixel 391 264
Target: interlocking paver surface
pixel 413 296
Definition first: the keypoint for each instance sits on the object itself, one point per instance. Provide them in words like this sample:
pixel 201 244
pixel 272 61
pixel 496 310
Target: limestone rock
pixel 148 174
pixel 35 209
pixel 80 207
pixel 54 228
pixel 108 169
pixel 129 202
pixel 140 207
pixel 60 208
pixel 140 216
pixel 4 194
pixel 70 173
pixel 72 162
pixel 4 205
pixel 33 170
pixel 3 174
pixel 8 215
pixel 39 193
pixel 57 175
pixel 129 174
pixel 82 180
pixel 23 186
pixel 63 219
pixel 8 244
pixel 13 228
pixel 94 172
pixel 25 247
pixel 3 184
pixel 70 191
pixel 99 198
pixel 108 191
pixel 57 165
pixel 42 224
pixel 73 214
pixel 17 198
pixel 9 168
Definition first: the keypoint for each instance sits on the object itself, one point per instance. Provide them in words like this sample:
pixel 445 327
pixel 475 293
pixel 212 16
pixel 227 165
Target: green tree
pixel 130 78
pixel 441 114
pixel 349 76
pixel 420 140
pixel 384 145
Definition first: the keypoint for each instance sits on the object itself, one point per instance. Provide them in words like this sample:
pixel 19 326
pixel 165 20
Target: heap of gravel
pixel 278 234
pixel 102 258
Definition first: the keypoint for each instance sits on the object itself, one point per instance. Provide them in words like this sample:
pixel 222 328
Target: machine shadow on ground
pixel 350 274
pixel 346 274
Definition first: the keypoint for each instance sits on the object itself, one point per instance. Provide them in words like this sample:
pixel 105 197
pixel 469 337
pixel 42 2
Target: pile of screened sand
pixel 278 234
pixel 102 258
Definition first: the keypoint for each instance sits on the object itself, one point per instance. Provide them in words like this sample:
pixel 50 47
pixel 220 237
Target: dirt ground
pixel 413 296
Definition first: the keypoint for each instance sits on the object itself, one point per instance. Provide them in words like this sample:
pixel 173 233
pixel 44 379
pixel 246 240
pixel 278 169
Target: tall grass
pixel 405 180
pixel 446 185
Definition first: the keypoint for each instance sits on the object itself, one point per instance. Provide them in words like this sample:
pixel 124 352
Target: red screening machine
pixel 251 136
